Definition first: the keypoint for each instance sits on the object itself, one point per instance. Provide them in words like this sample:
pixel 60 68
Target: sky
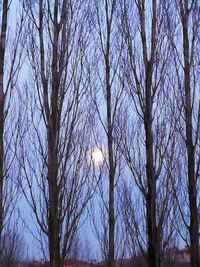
pixel 33 250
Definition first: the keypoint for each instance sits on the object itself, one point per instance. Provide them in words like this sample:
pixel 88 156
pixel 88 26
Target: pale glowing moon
pixel 97 156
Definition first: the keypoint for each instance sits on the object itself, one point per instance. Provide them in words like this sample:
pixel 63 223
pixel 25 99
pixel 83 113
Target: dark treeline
pixel 100 123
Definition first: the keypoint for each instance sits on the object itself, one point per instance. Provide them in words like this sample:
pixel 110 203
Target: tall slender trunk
pixel 52 128
pixel 111 248
pixel 111 189
pixel 53 132
pixel 153 257
pixel 53 224
pixel 2 55
pixel 111 262
pixel 192 182
pixel 153 247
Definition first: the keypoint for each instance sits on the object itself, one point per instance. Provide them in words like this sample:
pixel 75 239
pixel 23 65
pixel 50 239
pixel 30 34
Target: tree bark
pixel 151 180
pixel 153 244
pixel 52 138
pixel 192 182
pixel 2 56
pixel 111 249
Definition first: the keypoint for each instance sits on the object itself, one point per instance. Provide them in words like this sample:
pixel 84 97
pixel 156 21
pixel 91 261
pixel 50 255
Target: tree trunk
pixel 111 262
pixel 192 183
pixel 52 132
pixel 2 55
pixel 153 244
pixel 52 137
pixel 54 224
pixel 111 249
pixel 151 179
pixel 54 239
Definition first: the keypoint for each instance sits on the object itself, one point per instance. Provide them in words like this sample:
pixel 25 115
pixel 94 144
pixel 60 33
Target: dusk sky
pixel 100 132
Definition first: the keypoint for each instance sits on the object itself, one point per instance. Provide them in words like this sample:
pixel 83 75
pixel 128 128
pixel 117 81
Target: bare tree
pixel 10 65
pixel 147 143
pixel 107 95
pixel 186 62
pixel 54 142
pixel 13 244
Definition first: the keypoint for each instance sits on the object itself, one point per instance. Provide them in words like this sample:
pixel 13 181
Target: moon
pixel 97 156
